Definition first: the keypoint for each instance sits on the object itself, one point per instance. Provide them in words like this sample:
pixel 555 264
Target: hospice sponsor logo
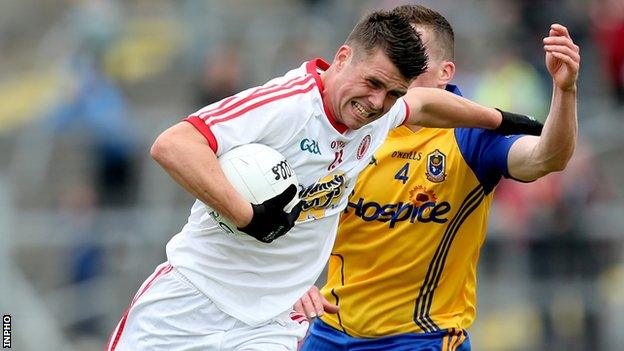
pixel 422 207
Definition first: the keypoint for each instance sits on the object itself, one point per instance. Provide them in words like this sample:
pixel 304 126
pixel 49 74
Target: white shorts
pixel 169 313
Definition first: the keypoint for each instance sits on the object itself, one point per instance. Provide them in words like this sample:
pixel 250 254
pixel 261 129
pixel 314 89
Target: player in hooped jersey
pixel 223 292
pixel 403 268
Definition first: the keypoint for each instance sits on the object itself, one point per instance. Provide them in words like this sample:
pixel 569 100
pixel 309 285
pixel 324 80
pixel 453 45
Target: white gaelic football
pixel 258 172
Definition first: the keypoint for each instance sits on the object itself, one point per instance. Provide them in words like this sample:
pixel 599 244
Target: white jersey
pixel 254 281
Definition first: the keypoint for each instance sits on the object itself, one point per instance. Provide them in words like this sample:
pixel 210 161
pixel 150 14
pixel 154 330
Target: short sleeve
pixel 486 153
pixel 398 113
pixel 267 115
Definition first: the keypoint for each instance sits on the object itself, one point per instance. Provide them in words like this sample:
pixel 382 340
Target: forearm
pixel 437 108
pixel 532 157
pixel 558 140
pixel 193 165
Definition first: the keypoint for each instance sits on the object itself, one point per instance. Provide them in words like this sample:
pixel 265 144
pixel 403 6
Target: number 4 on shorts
pixel 402 173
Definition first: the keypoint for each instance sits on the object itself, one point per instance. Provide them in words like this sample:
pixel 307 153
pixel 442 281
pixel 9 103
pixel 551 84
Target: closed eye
pixel 374 83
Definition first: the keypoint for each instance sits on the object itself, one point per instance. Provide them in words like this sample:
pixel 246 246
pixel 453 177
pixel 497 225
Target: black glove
pixel 269 220
pixel 514 123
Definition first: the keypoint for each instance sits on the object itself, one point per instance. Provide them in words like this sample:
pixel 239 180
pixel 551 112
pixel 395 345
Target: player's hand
pixel 314 304
pixel 562 57
pixel 269 220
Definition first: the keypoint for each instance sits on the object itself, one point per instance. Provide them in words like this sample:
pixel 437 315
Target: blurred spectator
pixel 552 221
pixel 96 107
pixel 512 84
pixel 91 104
pixel 607 17
pixel 77 209
pixel 221 75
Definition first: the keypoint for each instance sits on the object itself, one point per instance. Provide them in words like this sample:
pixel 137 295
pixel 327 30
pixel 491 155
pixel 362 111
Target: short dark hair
pixel 394 34
pixel 442 29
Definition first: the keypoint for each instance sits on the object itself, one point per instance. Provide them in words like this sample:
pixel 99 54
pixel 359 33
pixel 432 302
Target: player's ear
pixel 447 72
pixel 343 56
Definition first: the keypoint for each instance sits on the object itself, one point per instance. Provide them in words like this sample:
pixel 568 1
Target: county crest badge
pixel 364 144
pixel 436 165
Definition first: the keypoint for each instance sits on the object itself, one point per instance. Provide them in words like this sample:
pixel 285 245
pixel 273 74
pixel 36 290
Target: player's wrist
pixel 515 123
pixel 244 214
pixel 269 220
pixel 265 226
pixel 568 89
pixel 256 227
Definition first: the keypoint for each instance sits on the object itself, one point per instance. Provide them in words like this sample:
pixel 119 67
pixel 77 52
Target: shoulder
pixel 486 153
pixel 477 139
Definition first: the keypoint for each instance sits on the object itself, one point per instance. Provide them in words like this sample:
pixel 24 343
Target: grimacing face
pixel 364 88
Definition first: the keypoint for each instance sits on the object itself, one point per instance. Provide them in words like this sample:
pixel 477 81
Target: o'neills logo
pixel 322 195
pixel 412 155
pixel 364 144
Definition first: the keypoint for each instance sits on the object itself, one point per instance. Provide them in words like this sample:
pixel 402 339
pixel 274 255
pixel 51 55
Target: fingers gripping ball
pixel 270 220
pixel 262 176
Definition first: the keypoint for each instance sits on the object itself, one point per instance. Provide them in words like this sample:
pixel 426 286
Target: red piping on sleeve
pixel 407 112
pixel 201 126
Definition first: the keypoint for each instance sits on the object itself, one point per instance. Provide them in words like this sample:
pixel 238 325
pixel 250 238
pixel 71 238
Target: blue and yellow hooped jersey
pixel 406 254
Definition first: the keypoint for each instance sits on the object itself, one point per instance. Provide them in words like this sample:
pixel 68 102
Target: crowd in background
pixel 87 85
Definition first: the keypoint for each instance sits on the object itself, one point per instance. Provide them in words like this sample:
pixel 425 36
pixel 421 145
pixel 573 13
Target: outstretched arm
pixel 426 105
pixel 430 107
pixel 533 157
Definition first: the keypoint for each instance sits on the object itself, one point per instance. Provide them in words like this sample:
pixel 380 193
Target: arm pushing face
pixel 432 107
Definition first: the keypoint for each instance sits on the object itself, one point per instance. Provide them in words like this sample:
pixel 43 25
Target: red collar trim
pixel 312 68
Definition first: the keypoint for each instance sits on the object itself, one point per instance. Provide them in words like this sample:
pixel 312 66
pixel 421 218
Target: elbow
pixel 557 165
pixel 557 161
pixel 162 149
pixel 560 163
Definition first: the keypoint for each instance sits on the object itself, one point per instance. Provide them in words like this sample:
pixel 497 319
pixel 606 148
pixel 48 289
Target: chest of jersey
pixel 417 181
pixel 421 209
pixel 327 164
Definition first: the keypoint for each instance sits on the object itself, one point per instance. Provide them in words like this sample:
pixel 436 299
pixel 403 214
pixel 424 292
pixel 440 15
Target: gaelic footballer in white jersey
pixel 253 281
